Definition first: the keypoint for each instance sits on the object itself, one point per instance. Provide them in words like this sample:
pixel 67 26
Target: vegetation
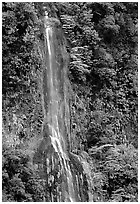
pixel 102 44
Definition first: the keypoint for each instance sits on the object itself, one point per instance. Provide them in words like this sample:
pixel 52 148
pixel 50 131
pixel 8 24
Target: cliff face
pixel 61 171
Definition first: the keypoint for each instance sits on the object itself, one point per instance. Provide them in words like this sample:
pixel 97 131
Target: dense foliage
pixel 102 44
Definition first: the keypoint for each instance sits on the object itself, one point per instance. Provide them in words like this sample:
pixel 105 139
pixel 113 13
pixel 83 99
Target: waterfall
pixel 60 170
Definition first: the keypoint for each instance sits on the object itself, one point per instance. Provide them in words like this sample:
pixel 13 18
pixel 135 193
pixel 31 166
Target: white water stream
pixel 53 110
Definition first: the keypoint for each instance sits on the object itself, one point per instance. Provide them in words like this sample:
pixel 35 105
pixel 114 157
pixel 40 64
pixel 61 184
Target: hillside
pixel 101 40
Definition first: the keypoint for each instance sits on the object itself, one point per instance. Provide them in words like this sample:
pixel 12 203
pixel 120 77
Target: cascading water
pixel 61 170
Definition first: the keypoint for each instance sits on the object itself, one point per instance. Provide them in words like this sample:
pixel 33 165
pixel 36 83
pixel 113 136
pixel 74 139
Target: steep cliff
pixel 63 172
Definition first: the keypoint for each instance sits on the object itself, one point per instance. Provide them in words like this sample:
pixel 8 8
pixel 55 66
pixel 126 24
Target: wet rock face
pixel 60 170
